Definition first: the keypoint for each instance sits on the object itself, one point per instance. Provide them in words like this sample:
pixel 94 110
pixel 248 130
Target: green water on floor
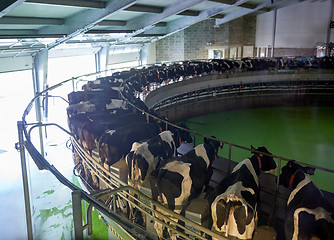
pixel 305 134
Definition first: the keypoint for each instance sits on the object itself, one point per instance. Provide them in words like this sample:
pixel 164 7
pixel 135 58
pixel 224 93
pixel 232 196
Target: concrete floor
pixel 51 206
pixel 12 217
pixel 12 101
pixel 49 199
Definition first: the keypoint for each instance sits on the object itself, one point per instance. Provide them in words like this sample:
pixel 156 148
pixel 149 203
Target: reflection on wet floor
pixel 12 217
pixel 50 201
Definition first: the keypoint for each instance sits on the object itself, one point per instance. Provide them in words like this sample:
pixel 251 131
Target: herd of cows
pixel 101 119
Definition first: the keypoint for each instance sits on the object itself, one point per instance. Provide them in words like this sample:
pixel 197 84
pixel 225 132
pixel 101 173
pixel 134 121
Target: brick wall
pixel 196 39
pixel 171 48
pixel 192 43
pixel 249 31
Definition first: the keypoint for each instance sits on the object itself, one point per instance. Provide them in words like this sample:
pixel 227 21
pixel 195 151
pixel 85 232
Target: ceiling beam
pixel 21 47
pixel 31 21
pixel 72 3
pixel 8 5
pixel 150 35
pixel 189 13
pixel 232 2
pixel 147 21
pixel 91 41
pixel 160 24
pixel 111 23
pixel 17 32
pixel 279 4
pixel 228 2
pixel 85 20
pixel 218 16
pixel 109 31
pixel 144 8
pixel 243 11
pixel 24 33
pixel 182 23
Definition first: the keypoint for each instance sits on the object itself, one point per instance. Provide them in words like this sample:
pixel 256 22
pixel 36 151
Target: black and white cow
pixel 144 158
pixel 86 129
pixel 92 96
pixel 180 179
pixel 309 215
pixel 114 144
pixel 235 199
pixel 96 106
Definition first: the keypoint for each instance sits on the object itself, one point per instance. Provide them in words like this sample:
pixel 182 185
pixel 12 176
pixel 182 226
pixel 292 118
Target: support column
pixel 102 59
pixel 39 72
pixel 21 148
pixel 77 214
pixel 274 33
pixel 328 37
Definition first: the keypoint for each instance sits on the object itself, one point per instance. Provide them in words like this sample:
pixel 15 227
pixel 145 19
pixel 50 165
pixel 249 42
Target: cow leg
pixel 219 214
pixel 159 229
pixel 244 215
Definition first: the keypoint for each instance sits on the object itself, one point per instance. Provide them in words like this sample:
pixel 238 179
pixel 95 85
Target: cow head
pixel 290 170
pixel 265 163
pixel 214 145
pixel 185 135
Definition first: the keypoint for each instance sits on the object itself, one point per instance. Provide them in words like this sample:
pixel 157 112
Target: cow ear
pixel 290 163
pixel 309 170
pixel 252 149
pixel 206 140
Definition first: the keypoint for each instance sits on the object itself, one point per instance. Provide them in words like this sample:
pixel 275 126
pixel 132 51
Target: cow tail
pixel 229 204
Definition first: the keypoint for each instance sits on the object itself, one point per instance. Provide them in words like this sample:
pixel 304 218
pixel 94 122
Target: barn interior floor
pixel 12 217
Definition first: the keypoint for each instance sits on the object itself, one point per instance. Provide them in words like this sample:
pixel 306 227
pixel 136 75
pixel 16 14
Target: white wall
pixel 301 25
pixel 123 57
pixel 148 54
pixel 10 64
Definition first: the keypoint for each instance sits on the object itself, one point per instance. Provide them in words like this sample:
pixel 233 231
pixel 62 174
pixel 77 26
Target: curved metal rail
pixel 117 186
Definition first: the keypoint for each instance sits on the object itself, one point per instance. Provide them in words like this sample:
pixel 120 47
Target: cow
pixel 309 215
pixel 180 179
pixel 96 106
pixel 144 158
pixel 116 143
pixel 103 84
pixel 86 129
pixel 234 201
pixel 91 96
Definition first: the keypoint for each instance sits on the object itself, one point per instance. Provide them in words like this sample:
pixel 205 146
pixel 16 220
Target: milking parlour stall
pixel 146 174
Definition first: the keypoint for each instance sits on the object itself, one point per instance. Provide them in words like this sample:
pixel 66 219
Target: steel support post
pixel 229 157
pixel 89 224
pixel 328 37
pixel 25 180
pixel 77 214
pixel 39 73
pixel 274 33
pixel 102 59
pixel 273 208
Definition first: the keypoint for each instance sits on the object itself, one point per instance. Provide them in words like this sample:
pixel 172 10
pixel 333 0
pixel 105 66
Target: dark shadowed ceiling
pixel 27 27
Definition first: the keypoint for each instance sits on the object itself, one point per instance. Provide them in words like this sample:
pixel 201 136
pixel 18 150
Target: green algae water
pixel 305 134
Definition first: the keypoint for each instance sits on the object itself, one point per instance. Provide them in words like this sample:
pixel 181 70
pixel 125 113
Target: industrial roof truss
pixel 29 26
